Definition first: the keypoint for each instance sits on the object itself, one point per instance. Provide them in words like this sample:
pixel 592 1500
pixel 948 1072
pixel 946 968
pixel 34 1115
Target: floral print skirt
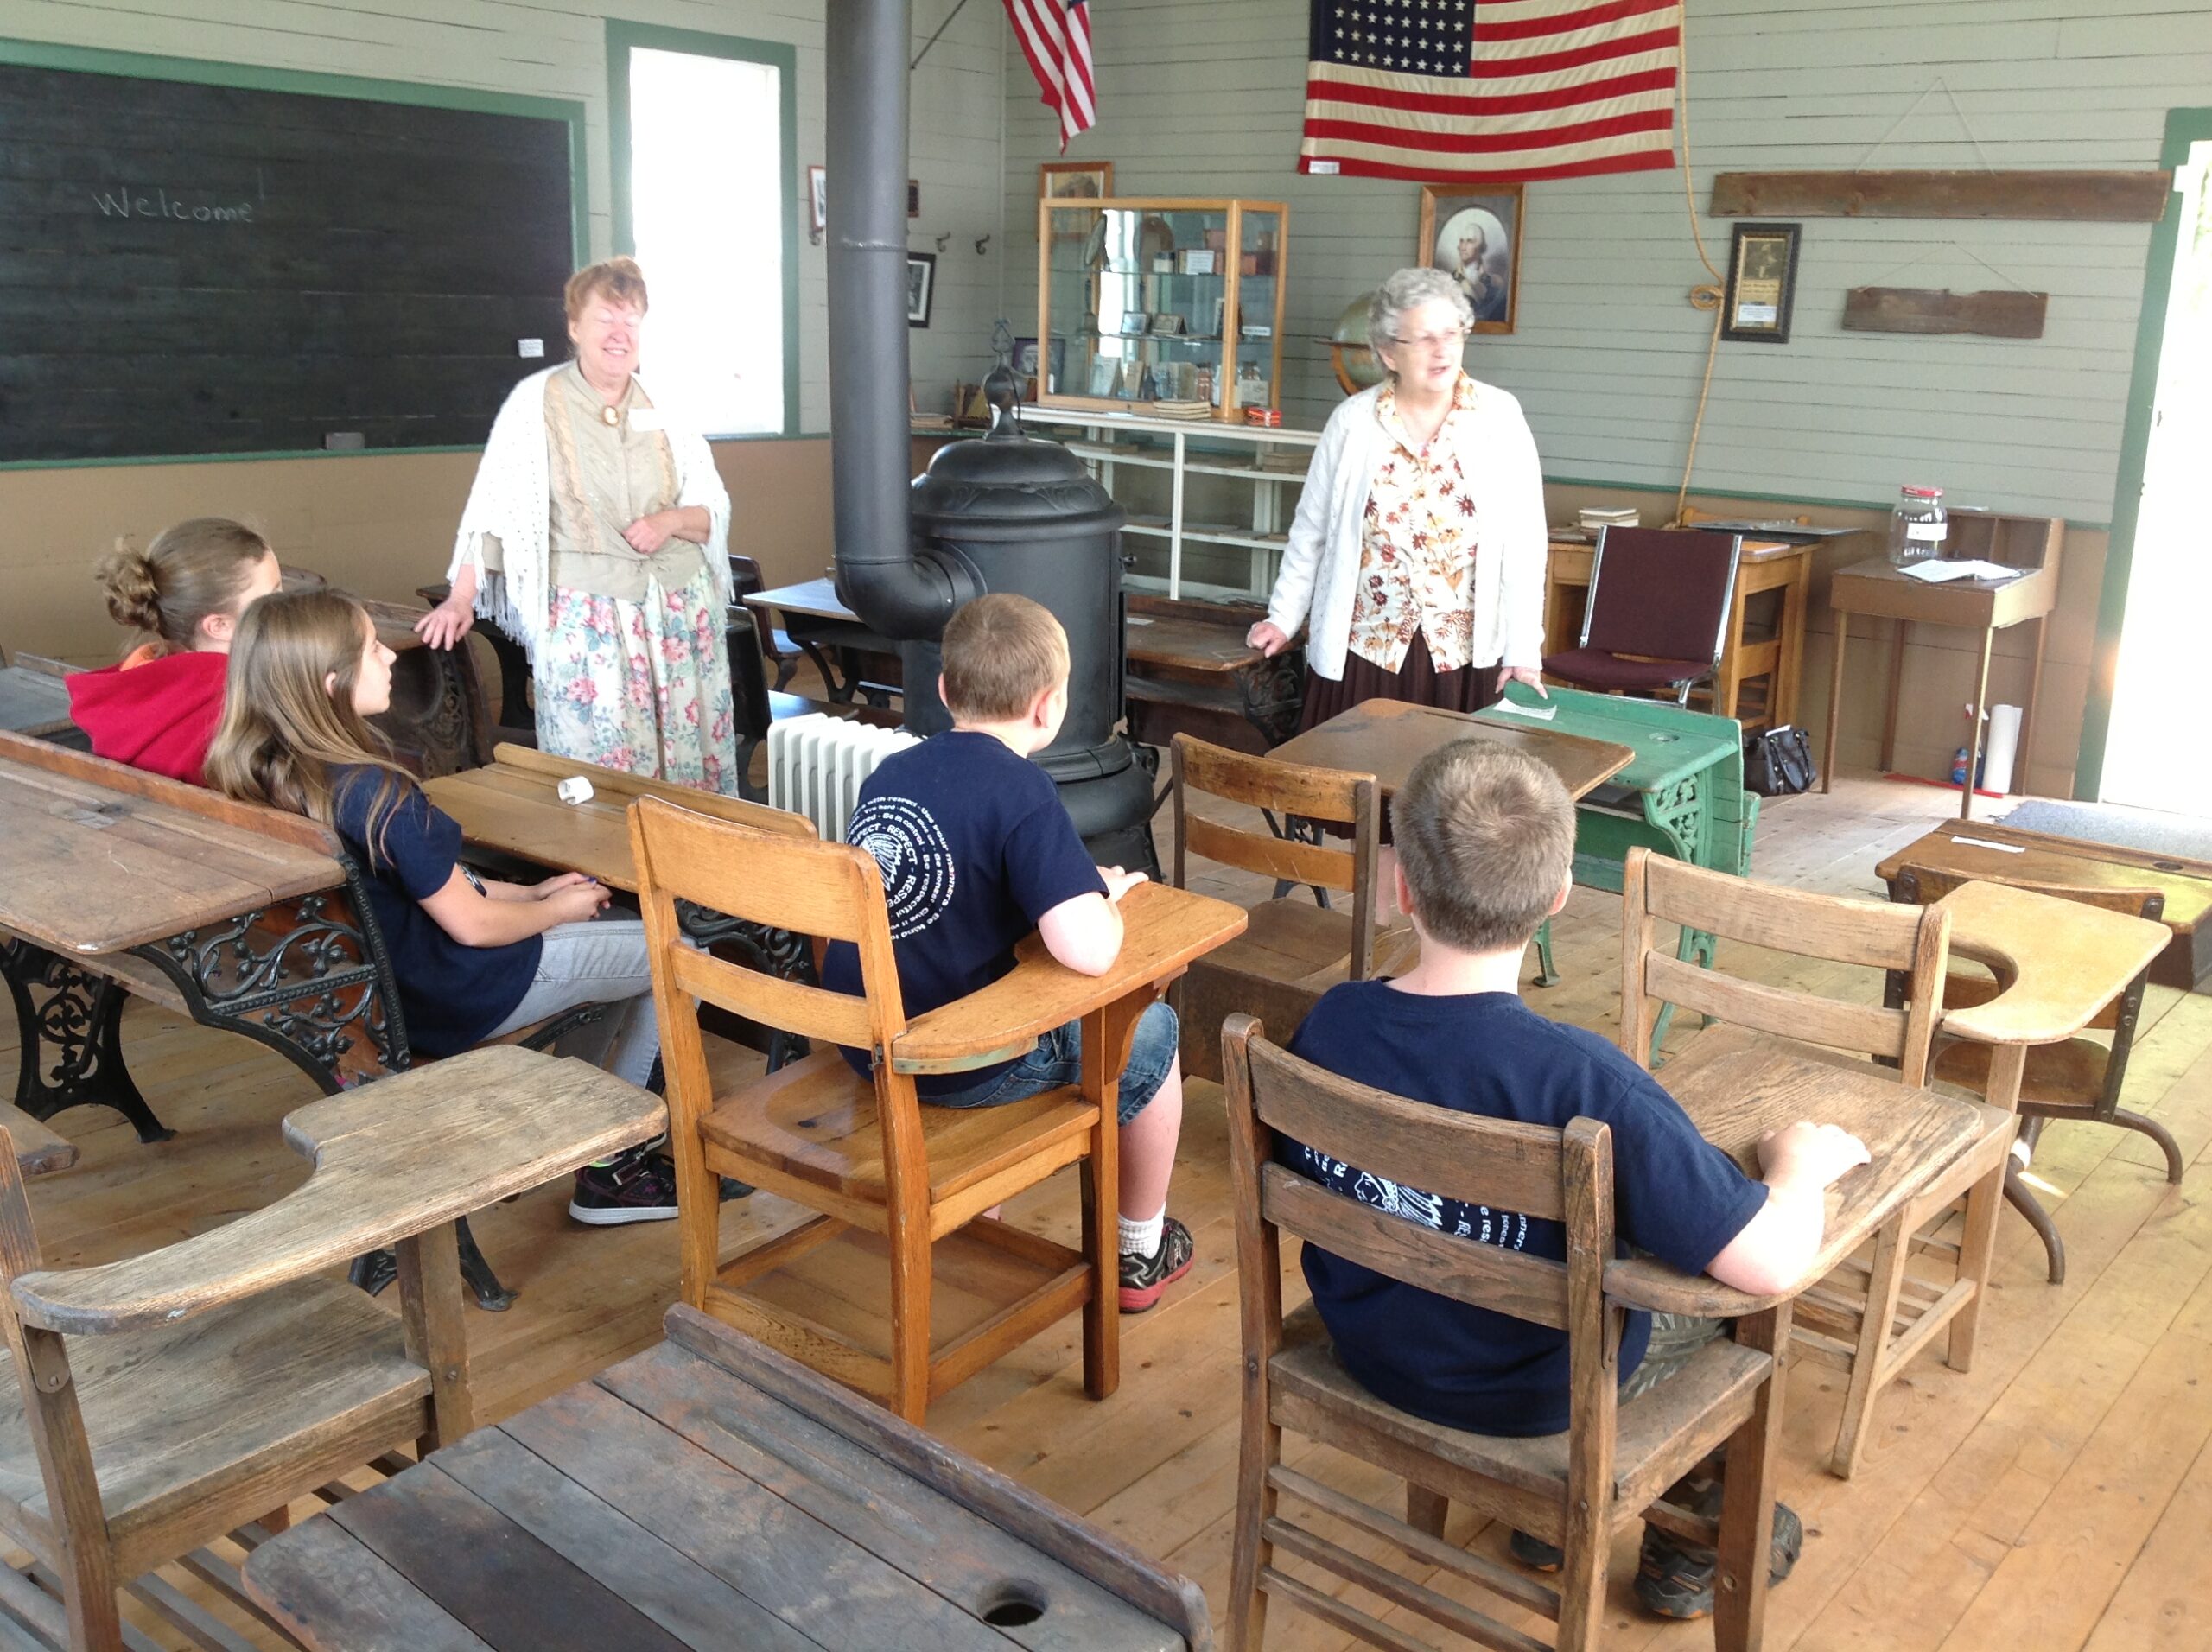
pixel 643 687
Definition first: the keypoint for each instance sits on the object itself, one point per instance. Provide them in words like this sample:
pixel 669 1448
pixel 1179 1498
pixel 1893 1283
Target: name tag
pixel 647 418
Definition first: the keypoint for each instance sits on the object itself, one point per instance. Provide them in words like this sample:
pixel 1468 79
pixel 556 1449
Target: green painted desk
pixel 1681 795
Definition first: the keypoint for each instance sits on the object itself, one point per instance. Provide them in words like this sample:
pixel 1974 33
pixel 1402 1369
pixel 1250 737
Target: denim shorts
pixel 1058 1060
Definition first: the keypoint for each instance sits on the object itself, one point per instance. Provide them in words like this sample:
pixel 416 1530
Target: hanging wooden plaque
pixel 2082 197
pixel 1920 309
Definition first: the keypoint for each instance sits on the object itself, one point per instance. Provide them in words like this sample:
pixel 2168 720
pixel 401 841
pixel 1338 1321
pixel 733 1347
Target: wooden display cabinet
pixel 1147 300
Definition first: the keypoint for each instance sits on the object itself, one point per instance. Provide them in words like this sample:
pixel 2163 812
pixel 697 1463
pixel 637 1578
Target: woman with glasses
pixel 1416 559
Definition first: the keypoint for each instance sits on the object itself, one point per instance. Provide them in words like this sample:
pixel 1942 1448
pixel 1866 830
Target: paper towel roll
pixel 2003 746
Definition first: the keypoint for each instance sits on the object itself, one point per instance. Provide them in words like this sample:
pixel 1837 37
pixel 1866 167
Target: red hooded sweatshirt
pixel 156 712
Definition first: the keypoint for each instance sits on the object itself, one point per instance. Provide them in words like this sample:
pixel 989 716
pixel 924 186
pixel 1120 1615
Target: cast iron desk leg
pixel 71 1039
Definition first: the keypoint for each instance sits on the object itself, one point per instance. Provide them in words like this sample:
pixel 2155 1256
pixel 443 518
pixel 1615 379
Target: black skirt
pixel 1470 688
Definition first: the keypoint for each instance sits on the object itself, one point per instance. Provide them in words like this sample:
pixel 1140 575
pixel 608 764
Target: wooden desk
pixel 709 1492
pixel 1735 1086
pixel 1386 737
pixel 1191 670
pixel 1961 846
pixel 250 921
pixel 1987 606
pixel 1762 565
pixel 852 659
pixel 35 699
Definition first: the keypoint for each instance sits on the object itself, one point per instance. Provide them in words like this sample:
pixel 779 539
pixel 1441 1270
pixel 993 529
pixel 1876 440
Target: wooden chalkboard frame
pixel 39 54
pixel 622 38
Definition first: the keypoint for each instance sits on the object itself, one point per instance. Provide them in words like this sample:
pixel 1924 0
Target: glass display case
pixel 1161 305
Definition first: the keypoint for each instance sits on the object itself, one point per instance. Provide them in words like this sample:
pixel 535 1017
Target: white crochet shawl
pixel 512 497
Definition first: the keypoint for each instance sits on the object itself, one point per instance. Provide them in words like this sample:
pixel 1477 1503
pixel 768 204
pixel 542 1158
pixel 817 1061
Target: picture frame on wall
pixel 921 287
pixel 1762 283
pixel 1075 179
pixel 1474 235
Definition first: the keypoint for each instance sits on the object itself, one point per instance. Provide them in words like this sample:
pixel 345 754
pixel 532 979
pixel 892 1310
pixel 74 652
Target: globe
pixel 1357 369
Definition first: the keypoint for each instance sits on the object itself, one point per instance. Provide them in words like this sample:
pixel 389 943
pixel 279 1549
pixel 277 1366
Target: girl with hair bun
pixel 157 710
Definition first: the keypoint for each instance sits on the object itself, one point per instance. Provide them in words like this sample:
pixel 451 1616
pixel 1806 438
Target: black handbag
pixel 1778 762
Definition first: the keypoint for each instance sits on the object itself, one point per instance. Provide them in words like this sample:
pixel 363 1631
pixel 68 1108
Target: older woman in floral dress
pixel 595 537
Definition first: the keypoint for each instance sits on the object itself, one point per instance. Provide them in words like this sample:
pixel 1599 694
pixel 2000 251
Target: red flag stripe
pixel 1409 137
pixel 1350 167
pixel 1487 31
pixel 1339 92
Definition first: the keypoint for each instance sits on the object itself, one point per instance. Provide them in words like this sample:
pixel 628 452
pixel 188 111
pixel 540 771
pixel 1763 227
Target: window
pixel 704 199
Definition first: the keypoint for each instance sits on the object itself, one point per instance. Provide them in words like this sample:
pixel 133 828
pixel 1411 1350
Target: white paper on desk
pixel 1541 714
pixel 1985 844
pixel 1934 573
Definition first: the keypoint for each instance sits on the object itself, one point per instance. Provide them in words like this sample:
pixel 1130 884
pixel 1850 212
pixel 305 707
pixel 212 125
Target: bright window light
pixel 707 215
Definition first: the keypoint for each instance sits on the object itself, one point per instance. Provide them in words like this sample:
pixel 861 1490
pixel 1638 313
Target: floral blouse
pixel 1417 550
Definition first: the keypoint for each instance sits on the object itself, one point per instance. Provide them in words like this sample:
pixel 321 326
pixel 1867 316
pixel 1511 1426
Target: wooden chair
pixel 1295 949
pixel 162 1402
pixel 1613 1463
pixel 745 579
pixel 2079 1078
pixel 865 1153
pixel 1867 1319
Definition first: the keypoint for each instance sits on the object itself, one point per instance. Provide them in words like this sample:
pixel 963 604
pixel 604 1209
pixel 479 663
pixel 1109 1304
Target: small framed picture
pixel 1103 374
pixel 921 287
pixel 1080 180
pixel 1474 236
pixel 817 203
pixel 1762 283
pixel 1024 356
pixel 1132 323
pixel 1167 325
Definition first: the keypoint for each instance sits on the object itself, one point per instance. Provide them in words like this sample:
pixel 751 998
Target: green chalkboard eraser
pixel 344 441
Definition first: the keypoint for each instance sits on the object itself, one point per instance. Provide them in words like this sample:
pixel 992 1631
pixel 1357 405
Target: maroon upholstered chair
pixel 1658 613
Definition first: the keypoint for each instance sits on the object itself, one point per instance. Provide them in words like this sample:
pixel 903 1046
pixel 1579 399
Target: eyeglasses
pixel 1435 341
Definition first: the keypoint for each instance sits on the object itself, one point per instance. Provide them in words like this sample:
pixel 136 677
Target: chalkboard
pixel 193 270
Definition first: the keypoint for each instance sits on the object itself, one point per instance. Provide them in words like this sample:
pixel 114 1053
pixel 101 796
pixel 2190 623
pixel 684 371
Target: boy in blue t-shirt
pixel 976 850
pixel 1486 840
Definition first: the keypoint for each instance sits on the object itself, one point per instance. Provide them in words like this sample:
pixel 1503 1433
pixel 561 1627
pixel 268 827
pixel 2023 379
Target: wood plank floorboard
pixel 2058 1495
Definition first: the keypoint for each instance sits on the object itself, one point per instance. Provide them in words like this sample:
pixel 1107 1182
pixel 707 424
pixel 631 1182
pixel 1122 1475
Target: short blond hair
pixel 1001 652
pixel 1486 837
pixel 618 279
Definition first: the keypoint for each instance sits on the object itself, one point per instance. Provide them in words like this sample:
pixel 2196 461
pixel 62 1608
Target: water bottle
pixel 1918 526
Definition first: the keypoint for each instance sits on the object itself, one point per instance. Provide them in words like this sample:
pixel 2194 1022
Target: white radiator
pixel 817 763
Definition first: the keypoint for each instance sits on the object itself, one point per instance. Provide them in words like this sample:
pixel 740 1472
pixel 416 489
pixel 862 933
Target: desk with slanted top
pixel 246 919
pixel 1387 738
pixel 711 1492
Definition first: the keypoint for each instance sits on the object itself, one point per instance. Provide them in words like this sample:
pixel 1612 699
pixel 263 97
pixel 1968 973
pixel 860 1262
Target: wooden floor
pixel 2059 1496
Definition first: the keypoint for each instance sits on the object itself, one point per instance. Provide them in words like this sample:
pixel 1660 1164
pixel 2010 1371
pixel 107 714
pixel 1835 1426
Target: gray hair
pixel 1408 290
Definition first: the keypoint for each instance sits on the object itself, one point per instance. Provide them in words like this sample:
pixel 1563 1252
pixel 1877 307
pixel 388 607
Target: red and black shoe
pixel 1143 1278
pixel 636 1187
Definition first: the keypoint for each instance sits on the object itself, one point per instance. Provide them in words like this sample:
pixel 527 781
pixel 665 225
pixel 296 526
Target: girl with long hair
pixel 474 958
pixel 183 595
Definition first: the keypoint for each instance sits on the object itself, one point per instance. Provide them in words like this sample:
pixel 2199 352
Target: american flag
pixel 1055 36
pixel 1475 92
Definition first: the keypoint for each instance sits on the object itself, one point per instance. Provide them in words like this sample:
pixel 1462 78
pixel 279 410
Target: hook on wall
pixel 943 240
pixel 984 241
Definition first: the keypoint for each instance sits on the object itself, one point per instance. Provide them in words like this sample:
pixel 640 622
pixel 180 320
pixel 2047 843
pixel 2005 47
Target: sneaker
pixel 1534 1553
pixel 1675 1579
pixel 634 1187
pixel 1143 1278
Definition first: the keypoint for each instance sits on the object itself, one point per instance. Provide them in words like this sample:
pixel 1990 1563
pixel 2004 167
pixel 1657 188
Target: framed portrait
pixel 817 203
pixel 1474 236
pixel 1083 180
pixel 1762 283
pixel 1025 357
pixel 1167 325
pixel 921 287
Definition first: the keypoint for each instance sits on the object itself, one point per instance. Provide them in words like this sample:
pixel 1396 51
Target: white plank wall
pixel 1206 99
pixel 556 48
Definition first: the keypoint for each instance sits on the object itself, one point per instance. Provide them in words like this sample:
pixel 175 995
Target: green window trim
pixel 2184 128
pixel 623 38
pixel 253 77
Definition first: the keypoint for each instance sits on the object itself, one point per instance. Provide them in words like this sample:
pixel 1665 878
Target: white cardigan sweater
pixel 1320 578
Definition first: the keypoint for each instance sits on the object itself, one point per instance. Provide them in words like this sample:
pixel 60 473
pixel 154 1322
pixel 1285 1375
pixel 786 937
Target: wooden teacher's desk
pixel 2031 544
pixel 709 1492
pixel 1762 565
pixel 1387 738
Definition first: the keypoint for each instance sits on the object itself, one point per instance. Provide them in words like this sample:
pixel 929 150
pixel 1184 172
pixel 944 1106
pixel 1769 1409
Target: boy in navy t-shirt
pixel 976 850
pixel 1486 840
